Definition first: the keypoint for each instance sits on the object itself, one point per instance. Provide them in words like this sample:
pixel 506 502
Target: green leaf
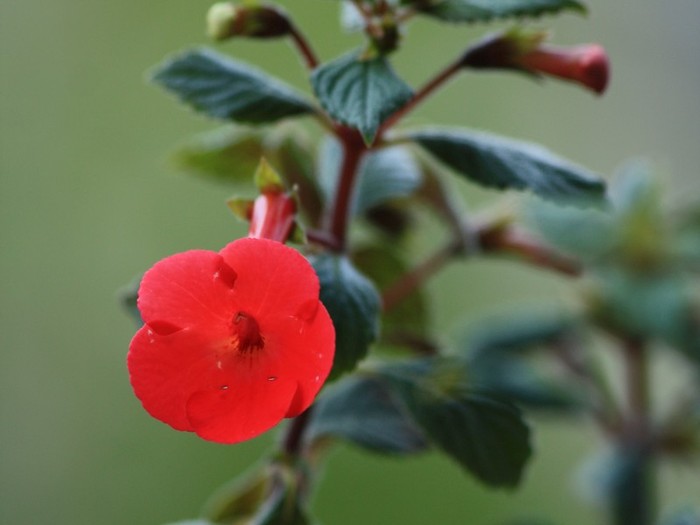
pixel 497 357
pixel 519 331
pixel 360 92
pixel 649 305
pixel 487 436
pixel 502 163
pixel 270 495
pixel 228 154
pixel 486 10
pixel 240 498
pixel 232 154
pixel 354 305
pixel 521 382
pixel 364 411
pixel 223 88
pixel 384 175
pixel 387 174
pixel 586 233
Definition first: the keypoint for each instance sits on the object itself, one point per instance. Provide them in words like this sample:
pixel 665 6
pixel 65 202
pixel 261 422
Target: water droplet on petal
pixel 317 378
pixel 224 387
pixel 272 378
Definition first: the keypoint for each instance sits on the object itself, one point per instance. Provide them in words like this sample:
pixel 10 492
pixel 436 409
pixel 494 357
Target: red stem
pixel 523 244
pixel 489 238
pixel 406 284
pixel 421 95
pixel 353 150
pixel 304 48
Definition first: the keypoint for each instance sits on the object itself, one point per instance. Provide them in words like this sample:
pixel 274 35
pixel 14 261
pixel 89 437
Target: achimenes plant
pixel 235 341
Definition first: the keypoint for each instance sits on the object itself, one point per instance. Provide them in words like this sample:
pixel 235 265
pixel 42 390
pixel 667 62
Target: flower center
pixel 246 328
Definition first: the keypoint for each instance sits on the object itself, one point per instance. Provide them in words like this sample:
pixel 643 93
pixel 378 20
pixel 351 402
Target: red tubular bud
pixel 587 65
pixel 273 216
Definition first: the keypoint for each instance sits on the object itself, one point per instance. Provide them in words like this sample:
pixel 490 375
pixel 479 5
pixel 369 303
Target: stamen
pixel 246 328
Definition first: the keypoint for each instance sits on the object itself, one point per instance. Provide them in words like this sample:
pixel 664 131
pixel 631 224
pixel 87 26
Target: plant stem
pixel 603 409
pixel 406 284
pixel 632 499
pixel 508 239
pixel 302 45
pixel 339 213
pixel 293 439
pixel 421 95
pixel 493 238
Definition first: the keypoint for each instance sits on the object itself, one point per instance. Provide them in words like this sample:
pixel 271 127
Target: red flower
pixel 233 342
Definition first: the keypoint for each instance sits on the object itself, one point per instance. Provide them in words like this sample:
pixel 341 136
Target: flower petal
pixel 275 281
pixel 302 350
pixel 250 403
pixel 166 369
pixel 190 289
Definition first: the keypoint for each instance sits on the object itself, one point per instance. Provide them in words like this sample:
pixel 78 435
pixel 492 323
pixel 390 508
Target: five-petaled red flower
pixel 233 342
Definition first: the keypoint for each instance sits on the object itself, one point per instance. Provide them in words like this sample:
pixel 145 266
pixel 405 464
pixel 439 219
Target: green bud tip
pixel 220 19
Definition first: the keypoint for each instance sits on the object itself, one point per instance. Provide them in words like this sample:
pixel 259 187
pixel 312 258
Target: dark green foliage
pixel 502 163
pixel 364 411
pixel 354 305
pixel 486 10
pixel 225 89
pixel 360 92
pixel 500 352
pixel 270 495
pixel 484 434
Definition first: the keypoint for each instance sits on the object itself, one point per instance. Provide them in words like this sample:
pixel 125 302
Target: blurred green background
pixel 87 201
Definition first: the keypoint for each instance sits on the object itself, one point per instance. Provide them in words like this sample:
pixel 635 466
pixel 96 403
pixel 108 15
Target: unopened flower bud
pixel 585 64
pixel 226 20
pixel 273 213
pixel 273 216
